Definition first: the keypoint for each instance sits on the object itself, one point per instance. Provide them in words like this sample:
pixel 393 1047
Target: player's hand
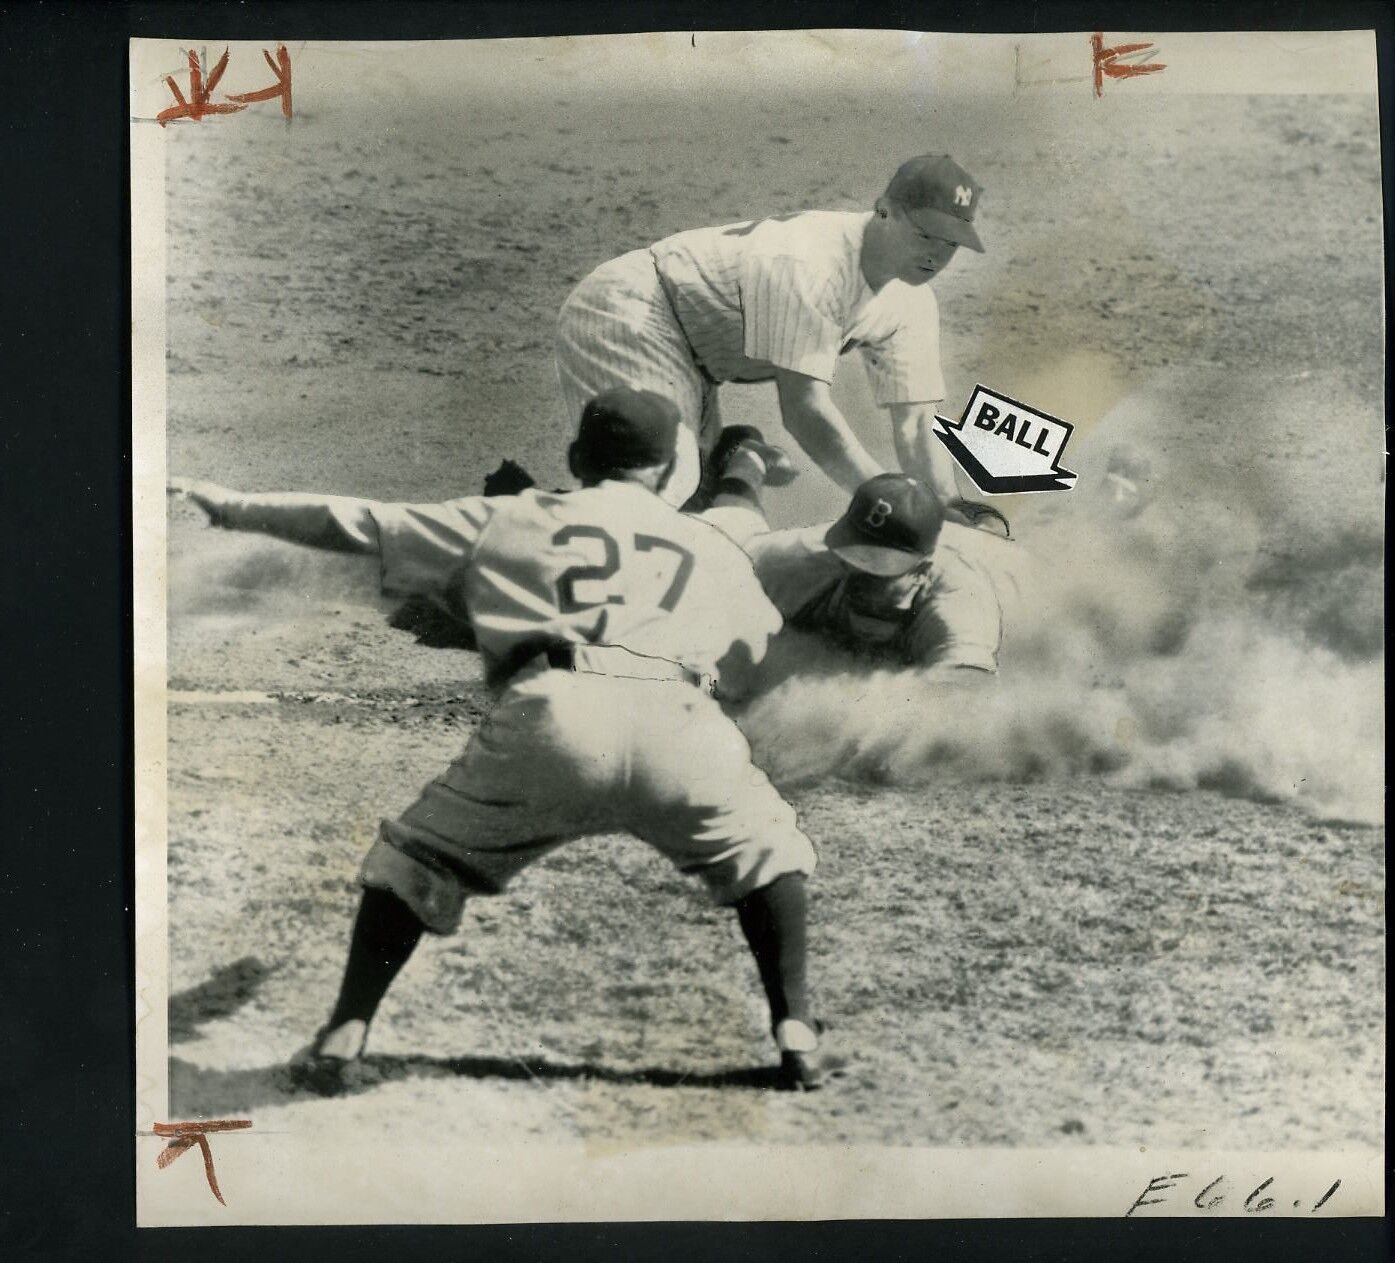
pixel 209 496
pixel 973 513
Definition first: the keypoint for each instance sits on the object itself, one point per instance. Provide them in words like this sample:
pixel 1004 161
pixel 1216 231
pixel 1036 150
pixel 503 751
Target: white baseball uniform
pixel 735 303
pixel 642 600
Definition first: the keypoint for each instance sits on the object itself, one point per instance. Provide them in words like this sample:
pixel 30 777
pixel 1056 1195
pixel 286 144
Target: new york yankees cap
pixel 891 526
pixel 942 194
pixel 623 428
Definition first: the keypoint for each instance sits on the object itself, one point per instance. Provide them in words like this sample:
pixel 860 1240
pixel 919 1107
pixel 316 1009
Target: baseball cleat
pixel 806 1062
pixel 322 1066
pixel 779 469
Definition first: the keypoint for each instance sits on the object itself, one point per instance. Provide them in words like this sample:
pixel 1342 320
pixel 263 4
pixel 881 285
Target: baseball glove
pixel 975 513
pixel 432 626
pixel 508 480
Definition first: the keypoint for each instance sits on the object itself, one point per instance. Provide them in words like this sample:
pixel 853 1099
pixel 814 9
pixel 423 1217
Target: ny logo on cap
pixel 963 196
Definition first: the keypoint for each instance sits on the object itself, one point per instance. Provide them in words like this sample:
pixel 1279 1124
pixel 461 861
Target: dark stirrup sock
pixel 774 921
pixel 385 933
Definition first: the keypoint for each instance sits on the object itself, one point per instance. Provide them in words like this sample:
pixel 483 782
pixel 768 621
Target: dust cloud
pixel 252 581
pixel 1154 651
pixel 1151 651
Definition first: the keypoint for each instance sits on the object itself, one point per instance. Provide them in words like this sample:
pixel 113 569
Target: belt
pixel 613 660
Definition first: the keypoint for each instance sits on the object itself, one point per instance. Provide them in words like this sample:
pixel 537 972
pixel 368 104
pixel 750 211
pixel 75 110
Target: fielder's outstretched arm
pixel 418 548
pixel 813 419
pixel 920 453
pixel 341 524
pixel 923 456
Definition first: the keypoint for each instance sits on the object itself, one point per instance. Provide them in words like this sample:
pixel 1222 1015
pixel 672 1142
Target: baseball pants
pixel 565 754
pixel 617 328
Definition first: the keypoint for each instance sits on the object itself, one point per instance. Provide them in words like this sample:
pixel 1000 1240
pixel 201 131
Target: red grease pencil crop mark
pixel 281 68
pixel 184 1136
pixel 199 103
pixel 1106 61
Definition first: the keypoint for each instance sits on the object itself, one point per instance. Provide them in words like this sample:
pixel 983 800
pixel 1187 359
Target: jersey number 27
pixel 567 599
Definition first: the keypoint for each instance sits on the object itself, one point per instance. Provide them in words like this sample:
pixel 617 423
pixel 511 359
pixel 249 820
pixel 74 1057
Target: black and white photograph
pixel 768 625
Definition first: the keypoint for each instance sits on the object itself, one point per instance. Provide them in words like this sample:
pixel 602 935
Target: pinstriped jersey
pixel 789 293
pixel 610 564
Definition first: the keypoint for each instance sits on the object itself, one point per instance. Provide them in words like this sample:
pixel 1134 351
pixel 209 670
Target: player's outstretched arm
pixel 817 425
pixel 923 456
pixel 337 523
pixel 209 496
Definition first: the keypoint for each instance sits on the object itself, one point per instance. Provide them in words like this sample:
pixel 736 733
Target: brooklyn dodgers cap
pixel 628 429
pixel 890 527
pixel 941 195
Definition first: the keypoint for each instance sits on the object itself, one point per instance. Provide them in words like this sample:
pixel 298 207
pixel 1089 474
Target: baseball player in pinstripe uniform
pixel 780 300
pixel 597 611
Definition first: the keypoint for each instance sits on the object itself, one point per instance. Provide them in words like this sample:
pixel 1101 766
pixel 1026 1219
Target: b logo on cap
pixel 963 196
pixel 877 516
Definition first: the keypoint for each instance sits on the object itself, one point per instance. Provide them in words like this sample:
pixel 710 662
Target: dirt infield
pixel 1047 926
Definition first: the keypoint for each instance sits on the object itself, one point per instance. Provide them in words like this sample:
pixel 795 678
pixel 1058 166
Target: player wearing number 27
pixel 600 614
pixel 781 299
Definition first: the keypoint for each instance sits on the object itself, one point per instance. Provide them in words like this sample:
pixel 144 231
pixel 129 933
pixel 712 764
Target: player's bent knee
pixel 434 894
pixel 752 865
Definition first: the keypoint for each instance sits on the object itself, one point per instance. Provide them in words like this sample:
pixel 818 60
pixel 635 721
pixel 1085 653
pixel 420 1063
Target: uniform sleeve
pixel 755 622
pixel 336 523
pixel 960 621
pixel 738 519
pixel 1006 563
pixel 791 317
pixel 791 571
pixel 423 545
pixel 905 367
pixel 751 615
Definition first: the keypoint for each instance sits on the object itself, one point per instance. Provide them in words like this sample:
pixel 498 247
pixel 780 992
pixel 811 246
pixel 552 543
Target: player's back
pixel 823 238
pixel 749 295
pixel 612 564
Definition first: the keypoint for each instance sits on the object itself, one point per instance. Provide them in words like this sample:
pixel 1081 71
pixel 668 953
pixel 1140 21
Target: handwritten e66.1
pixel 1213 1192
